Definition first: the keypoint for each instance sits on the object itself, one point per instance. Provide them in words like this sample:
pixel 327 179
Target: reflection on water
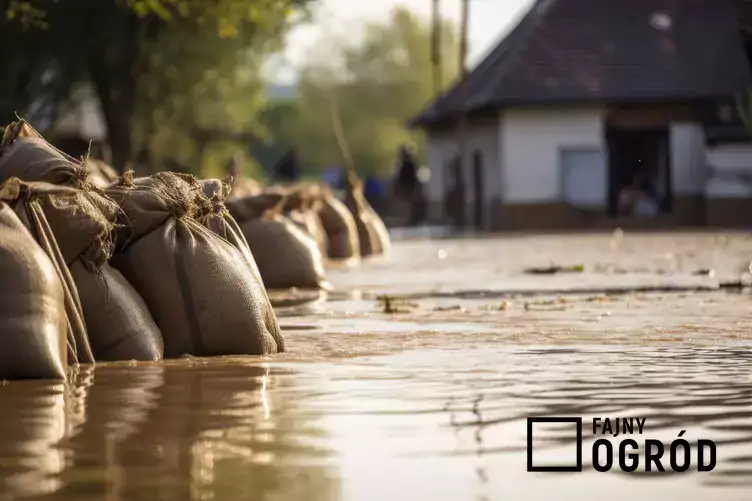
pixel 173 432
pixel 427 404
pixel 33 423
pixel 439 424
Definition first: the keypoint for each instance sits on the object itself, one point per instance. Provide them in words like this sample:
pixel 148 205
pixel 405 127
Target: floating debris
pixel 392 305
pixel 455 307
pixel 552 270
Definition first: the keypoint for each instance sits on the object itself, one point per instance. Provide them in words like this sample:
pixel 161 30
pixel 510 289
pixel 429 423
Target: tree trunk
pixel 113 69
pixel 118 120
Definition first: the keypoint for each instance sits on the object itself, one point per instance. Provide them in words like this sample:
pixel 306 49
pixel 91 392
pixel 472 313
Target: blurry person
pixel 409 187
pixel 407 174
pixel 637 199
pixel 288 169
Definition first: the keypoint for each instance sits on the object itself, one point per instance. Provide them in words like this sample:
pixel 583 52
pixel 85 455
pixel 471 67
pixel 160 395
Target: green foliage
pixel 202 88
pixel 279 119
pixel 380 83
pixel 26 13
pixel 179 78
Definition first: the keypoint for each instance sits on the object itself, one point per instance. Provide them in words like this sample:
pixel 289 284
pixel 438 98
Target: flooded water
pixel 431 400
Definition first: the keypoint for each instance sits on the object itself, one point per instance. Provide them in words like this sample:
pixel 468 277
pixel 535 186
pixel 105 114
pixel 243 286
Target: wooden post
pixel 438 83
pixel 462 124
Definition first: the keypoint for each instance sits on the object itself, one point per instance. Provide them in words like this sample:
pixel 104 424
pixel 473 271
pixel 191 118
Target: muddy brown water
pixel 429 402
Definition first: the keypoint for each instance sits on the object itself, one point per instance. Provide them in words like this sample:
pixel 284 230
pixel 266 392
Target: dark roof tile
pixel 606 50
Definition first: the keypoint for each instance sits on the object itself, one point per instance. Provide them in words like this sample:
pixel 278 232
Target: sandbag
pixel 33 325
pixel 254 206
pixel 27 200
pixel 244 186
pixel 218 219
pixel 372 233
pixel 117 318
pixel 110 319
pixel 100 173
pixel 309 221
pixel 26 155
pixel 286 255
pixel 342 240
pixel 301 207
pixel 199 288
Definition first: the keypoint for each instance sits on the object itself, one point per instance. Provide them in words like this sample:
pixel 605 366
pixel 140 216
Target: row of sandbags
pixel 97 268
pixel 293 229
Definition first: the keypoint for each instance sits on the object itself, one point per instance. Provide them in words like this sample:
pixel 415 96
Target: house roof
pixel 606 51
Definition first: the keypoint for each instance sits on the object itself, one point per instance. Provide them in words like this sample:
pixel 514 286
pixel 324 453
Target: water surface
pixel 427 403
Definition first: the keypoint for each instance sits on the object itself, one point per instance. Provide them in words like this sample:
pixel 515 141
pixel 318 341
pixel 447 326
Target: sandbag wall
pixel 343 231
pixel 118 269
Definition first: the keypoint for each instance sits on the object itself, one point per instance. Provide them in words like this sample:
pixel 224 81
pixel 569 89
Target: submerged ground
pixel 426 397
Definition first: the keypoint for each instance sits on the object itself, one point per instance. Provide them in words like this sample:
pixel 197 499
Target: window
pixel 584 179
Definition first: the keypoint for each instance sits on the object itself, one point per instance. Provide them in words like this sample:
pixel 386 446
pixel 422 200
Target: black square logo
pixel 561 420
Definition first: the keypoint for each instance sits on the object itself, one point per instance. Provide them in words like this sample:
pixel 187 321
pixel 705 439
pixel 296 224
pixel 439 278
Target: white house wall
pixel 531 140
pixel 731 171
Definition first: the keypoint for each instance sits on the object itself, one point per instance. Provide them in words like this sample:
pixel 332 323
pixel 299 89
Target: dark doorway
pixel 639 167
pixel 478 191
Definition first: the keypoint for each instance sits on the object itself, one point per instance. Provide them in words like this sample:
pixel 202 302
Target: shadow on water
pixel 164 432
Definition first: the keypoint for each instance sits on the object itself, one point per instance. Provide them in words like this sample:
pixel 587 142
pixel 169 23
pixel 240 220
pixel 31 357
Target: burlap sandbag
pixel 26 155
pixel 341 231
pixel 309 221
pixel 245 186
pixel 254 206
pixel 33 322
pixel 301 206
pixel 28 200
pixel 372 233
pixel 117 318
pixel 286 255
pixel 218 219
pixel 82 225
pixel 100 173
pixel 200 290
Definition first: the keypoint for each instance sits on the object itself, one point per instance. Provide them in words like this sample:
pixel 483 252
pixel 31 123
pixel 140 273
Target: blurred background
pixel 572 114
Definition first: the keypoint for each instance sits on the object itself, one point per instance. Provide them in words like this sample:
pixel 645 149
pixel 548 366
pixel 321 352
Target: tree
pixel 374 86
pixel 279 120
pixel 166 72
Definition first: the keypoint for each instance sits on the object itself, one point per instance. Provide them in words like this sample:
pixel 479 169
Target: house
pixel 584 98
